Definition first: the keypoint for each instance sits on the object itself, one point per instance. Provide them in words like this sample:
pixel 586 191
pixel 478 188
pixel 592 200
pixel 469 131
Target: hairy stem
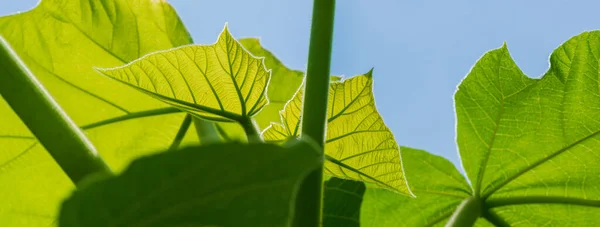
pixel 314 116
pixel 65 142
pixel 251 129
pixel 467 213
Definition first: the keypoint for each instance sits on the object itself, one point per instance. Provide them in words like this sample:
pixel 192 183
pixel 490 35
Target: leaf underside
pixel 528 146
pixel 342 201
pixel 61 41
pixel 219 82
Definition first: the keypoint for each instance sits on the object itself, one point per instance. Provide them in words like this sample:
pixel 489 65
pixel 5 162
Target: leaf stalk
pixel 251 129
pixel 48 122
pixel 467 213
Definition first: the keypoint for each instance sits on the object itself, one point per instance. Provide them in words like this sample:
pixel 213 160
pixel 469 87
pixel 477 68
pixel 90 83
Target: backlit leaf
pixel 282 87
pixel 533 142
pixel 359 146
pixel 529 146
pixel 221 82
pixel 255 186
pixel 61 41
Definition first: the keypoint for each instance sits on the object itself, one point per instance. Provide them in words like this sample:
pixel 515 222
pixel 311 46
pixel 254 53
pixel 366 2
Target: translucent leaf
pixel 61 41
pixel 255 186
pixel 529 146
pixel 359 146
pixel 283 84
pixel 221 82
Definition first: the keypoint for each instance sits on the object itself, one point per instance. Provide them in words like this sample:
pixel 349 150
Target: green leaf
pixel 61 41
pixel 342 201
pixel 359 146
pixel 217 185
pixel 282 87
pixel 533 141
pixel 439 188
pixel 529 146
pixel 220 82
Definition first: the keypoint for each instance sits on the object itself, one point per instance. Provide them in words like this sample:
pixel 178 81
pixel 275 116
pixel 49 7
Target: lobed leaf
pixel 528 145
pixel 60 41
pixel 359 146
pixel 220 82
pixel 256 186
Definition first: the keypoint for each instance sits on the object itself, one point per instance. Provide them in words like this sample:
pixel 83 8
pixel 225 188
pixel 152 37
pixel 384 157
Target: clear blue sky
pixel 421 50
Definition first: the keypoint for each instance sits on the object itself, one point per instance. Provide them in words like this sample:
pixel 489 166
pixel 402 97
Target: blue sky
pixel 421 50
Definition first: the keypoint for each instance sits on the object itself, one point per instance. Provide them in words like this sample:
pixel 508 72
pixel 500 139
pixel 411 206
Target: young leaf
pixel 60 41
pixel 529 146
pixel 220 82
pixel 341 202
pixel 359 146
pixel 255 186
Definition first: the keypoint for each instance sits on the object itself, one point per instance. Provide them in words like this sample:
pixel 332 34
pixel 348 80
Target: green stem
pixel 467 213
pixel 206 130
pixel 493 218
pixel 251 129
pixel 314 116
pixel 185 125
pixel 46 120
pixel 518 200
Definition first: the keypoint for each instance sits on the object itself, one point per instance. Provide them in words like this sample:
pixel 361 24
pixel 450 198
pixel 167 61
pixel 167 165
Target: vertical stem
pixel 467 213
pixel 309 203
pixel 45 119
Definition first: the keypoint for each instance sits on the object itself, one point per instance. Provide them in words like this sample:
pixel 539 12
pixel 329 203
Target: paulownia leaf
pixel 60 41
pixel 342 201
pixel 529 146
pixel 220 82
pixel 255 186
pixel 359 146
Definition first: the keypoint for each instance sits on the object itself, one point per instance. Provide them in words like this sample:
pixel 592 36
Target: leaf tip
pixel 370 73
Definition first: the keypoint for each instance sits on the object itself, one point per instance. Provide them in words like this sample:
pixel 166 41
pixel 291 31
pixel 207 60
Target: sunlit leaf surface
pixel 359 146
pixel 221 82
